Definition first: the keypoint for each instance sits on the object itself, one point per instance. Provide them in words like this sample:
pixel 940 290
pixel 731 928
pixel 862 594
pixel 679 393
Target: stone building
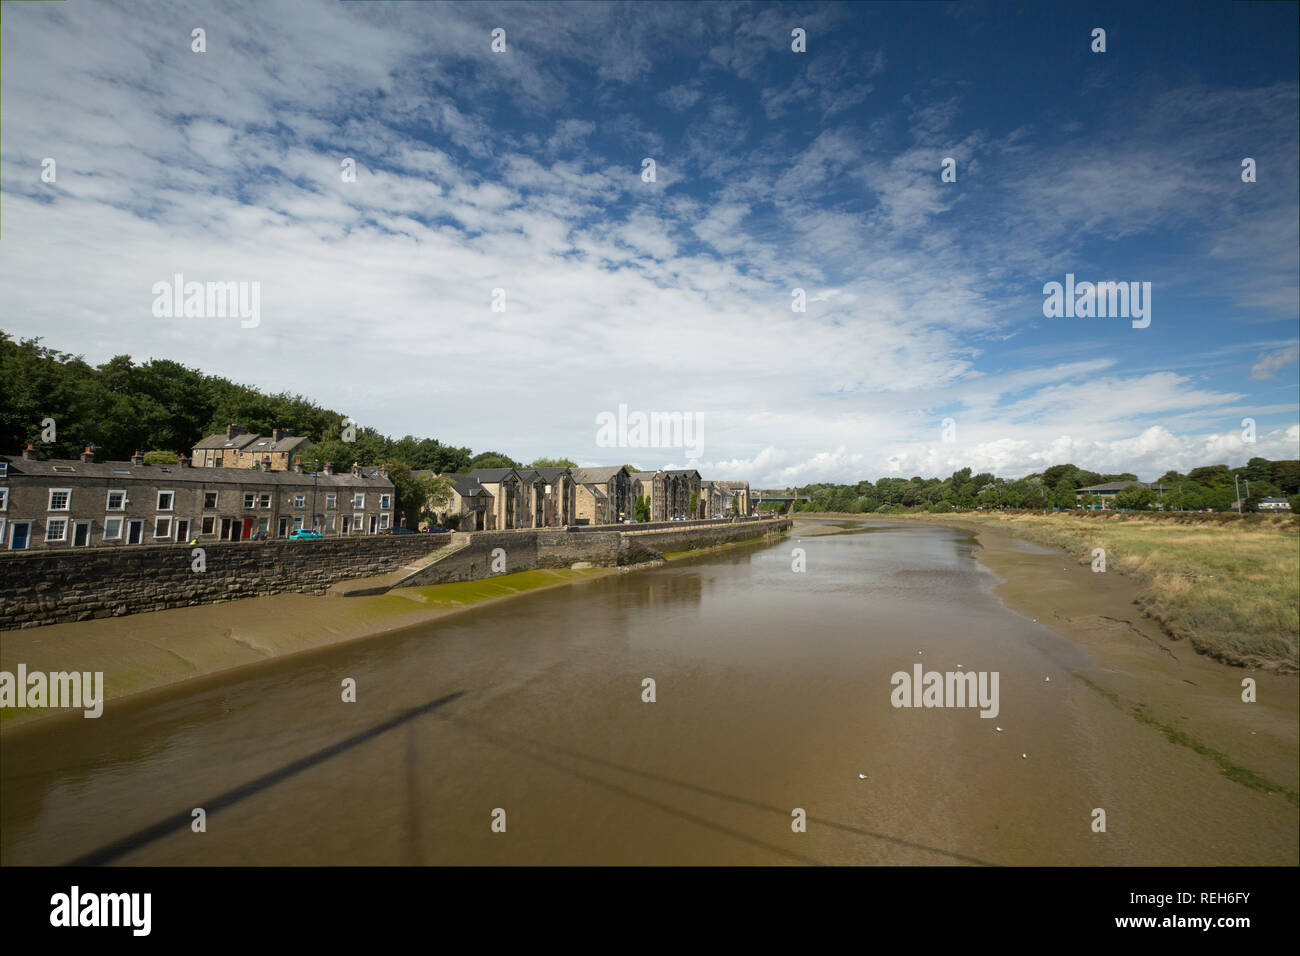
pixel 549 497
pixel 84 503
pixel 471 508
pixel 603 495
pixel 506 489
pixel 237 448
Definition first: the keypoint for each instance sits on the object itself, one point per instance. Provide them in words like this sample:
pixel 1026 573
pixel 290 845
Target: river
pixel 772 696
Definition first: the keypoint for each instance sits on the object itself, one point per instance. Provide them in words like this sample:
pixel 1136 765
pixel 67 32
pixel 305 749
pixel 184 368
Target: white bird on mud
pixel 1024 756
pixel 998 729
pixel 1046 678
pixel 862 776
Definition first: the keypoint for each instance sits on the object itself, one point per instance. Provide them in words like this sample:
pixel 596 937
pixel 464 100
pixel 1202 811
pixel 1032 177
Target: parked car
pixel 400 531
pixel 629 521
pixel 304 534
pixel 435 529
pixel 679 517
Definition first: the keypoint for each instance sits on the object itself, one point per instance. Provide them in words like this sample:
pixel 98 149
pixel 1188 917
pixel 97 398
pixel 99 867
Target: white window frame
pixel 51 522
pixel 297 523
pixel 168 532
pixel 300 501
pixel 67 504
pixel 90 529
pixel 108 499
pixel 358 522
pixel 385 520
pixel 329 523
pixel 358 500
pixel 385 501
pixel 264 501
pixel 204 520
pixel 171 502
pixel 121 523
pixel 263 526
pixel 216 499
pixel 332 500
pixel 250 500
pixel 4 499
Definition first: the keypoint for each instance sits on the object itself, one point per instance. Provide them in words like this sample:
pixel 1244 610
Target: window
pixel 249 499
pixel 297 522
pixel 385 501
pixel 358 500
pixel 162 527
pixel 116 501
pixel 112 529
pixel 263 526
pixel 356 522
pixel 209 499
pixel 60 500
pixel 265 501
pixel 209 525
pixel 165 500
pixel 383 520
pixel 216 462
pixel 331 501
pixel 4 499
pixel 56 529
pixel 300 501
pixel 329 523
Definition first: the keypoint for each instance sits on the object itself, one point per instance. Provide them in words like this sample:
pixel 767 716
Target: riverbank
pixel 1193 700
pixel 1229 590
pixel 146 652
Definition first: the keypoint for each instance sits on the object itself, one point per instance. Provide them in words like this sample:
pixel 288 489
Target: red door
pixel 248 529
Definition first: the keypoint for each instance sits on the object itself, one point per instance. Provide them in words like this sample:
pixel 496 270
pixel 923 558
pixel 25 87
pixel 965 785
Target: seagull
pixel 1024 756
pixel 862 776
pixel 1046 678
pixel 998 729
pixel 959 665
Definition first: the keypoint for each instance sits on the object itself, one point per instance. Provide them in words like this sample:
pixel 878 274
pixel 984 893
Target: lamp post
pixel 315 478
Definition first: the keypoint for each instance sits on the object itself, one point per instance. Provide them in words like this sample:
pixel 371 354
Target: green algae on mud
pixel 1233 771
pixel 145 652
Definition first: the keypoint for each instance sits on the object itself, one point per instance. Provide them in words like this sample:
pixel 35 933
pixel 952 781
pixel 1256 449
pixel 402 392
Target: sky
pixel 923 346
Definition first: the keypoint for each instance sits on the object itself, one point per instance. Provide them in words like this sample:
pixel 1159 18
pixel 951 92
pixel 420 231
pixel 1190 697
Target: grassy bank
pixel 1228 588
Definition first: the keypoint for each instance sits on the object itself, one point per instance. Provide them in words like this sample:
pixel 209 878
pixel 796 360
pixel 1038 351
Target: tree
pixel 642 508
pixel 695 504
pixel 554 463
pixel 161 458
pixel 415 496
pixel 492 459
pixel 1064 493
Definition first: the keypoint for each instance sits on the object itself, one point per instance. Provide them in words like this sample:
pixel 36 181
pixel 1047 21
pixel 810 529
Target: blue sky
pixel 775 170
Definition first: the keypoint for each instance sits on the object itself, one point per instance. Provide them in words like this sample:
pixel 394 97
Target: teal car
pixel 304 534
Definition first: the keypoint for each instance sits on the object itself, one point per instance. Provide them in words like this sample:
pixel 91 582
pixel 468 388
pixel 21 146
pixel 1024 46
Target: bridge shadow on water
pixel 530 748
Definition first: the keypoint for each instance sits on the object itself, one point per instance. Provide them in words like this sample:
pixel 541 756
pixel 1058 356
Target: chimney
pixel 88 456
pixel 383 472
pixel 297 465
pixel 279 433
pixel 356 469
pixel 29 453
pixel 232 430
pixel 329 467
pixel 182 461
pixel 137 459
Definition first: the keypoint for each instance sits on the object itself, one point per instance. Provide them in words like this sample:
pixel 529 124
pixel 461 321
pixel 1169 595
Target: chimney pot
pixel 88 456
pixel 297 465
pixel 137 458
pixel 329 467
pixel 29 453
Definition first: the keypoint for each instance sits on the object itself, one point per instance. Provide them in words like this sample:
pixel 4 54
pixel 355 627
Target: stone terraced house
pixel 85 503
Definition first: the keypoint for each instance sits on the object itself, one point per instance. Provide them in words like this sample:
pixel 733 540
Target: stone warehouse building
pixel 669 493
pixel 604 495
pixel 238 448
pixel 498 499
pixel 84 503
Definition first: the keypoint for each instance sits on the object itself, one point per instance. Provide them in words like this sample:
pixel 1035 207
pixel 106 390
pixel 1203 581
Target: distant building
pixel 471 508
pixel 603 495
pixel 237 448
pixel 80 503
pixel 1274 504
pixel 1106 491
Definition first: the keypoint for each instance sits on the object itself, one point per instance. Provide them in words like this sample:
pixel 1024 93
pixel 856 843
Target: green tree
pixel 695 505
pixel 492 459
pixel 554 463
pixel 642 508
pixel 161 457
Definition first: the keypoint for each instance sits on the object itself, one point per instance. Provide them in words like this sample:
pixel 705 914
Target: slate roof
pixel 72 469
pixel 491 475
pixel 589 476
pixel 221 441
pixel 1117 486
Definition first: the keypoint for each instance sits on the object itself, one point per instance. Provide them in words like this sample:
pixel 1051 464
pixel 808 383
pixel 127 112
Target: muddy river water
pixel 518 733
